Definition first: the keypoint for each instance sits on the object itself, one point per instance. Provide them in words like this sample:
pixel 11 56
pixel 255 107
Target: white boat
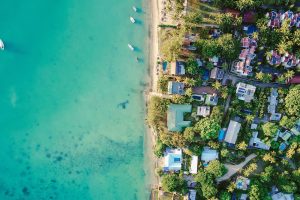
pixel 131 47
pixel 1 45
pixel 132 19
pixel 134 8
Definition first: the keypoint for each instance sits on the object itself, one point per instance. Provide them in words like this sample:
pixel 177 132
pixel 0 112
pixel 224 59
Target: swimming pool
pixel 165 66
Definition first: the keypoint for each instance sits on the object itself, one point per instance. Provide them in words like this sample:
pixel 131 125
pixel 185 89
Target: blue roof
pixel 205 75
pixel 221 135
pixel 251 30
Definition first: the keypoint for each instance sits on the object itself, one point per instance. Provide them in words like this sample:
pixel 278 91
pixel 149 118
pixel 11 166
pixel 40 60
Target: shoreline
pixel 150 160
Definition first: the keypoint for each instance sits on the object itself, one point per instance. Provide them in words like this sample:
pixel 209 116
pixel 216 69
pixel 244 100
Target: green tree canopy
pixel 292 101
pixel 216 168
pixel 208 128
pixel 192 67
pixel 269 129
pixel 174 183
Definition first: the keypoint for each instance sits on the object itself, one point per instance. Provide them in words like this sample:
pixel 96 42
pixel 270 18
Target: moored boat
pixel 131 47
pixel 1 45
pixel 132 19
pixel 134 8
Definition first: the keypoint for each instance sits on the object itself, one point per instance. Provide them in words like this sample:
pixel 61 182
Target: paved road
pixel 232 169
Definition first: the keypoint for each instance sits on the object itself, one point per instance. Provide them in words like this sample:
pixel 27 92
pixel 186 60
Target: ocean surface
pixel 71 100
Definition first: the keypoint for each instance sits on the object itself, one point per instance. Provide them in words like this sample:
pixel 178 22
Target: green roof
pixel 175 116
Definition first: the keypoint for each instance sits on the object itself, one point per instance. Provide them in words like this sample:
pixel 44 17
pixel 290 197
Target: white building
pixel 232 132
pixel 208 155
pixel 203 111
pixel 194 165
pixel 245 92
pixel 173 159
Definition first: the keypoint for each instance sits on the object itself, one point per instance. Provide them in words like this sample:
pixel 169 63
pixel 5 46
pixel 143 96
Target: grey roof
pixel 232 132
pixel 175 88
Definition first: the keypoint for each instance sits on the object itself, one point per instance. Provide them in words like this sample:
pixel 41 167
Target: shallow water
pixel 71 103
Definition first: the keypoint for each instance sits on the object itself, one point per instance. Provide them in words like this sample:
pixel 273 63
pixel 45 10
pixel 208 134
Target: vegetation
pixel 174 183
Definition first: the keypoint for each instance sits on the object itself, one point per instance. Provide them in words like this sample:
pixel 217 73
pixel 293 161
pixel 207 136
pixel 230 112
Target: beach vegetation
pixel 171 43
pixel 207 128
pixel 174 183
pixel 157 110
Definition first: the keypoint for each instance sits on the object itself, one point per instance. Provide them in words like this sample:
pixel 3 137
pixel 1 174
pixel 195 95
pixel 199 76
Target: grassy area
pixel 207 10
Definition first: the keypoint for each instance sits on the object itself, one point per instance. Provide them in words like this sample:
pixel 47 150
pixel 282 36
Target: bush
pixel 174 183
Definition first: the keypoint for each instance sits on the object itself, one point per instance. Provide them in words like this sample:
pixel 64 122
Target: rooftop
pixel 175 88
pixel 209 154
pixel 245 92
pixel 232 132
pixel 173 159
pixel 175 117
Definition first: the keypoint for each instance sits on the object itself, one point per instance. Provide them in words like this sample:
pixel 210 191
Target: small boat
pixel 131 47
pixel 132 19
pixel 1 45
pixel 134 8
pixel 137 59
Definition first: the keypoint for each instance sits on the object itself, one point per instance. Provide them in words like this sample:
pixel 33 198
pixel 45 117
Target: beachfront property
pixel 232 132
pixel 177 68
pixel 272 99
pixel 296 129
pixel 175 88
pixel 242 183
pixel 211 99
pixel 208 155
pixel 203 111
pixel 217 73
pixel 257 143
pixel 243 197
pixel 175 117
pixel 194 165
pixel 245 92
pixel 172 159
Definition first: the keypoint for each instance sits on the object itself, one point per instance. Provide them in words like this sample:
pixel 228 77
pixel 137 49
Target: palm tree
pixel 289 74
pixel 249 118
pixel 224 93
pixel 217 85
pixel 282 47
pixel 255 35
pixel 281 79
pixel 259 76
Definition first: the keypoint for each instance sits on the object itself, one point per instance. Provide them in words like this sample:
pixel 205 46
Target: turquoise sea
pixel 66 70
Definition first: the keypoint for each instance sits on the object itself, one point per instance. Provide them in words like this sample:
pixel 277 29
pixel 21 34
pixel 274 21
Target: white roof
pixel 194 165
pixel 282 196
pixel 245 91
pixel 232 132
pixel 203 111
pixel 243 197
pixel 209 154
pixel 173 159
pixel 192 195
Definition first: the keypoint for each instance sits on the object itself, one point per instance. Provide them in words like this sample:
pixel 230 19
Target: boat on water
pixel 1 45
pixel 132 19
pixel 131 47
pixel 134 8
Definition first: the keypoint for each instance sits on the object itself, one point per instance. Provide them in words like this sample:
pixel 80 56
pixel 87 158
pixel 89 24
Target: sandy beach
pixel 150 159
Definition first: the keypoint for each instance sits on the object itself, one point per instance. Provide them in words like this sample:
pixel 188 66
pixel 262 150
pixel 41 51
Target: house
pixel 285 135
pixel 232 132
pixel 194 165
pixel 175 114
pixel 274 58
pixel 244 197
pixel 289 61
pixel 282 196
pixel 192 195
pixel 211 99
pixel 172 159
pixel 249 30
pixel 217 73
pixel 296 129
pixel 253 126
pixel 272 105
pixel 208 155
pixel 294 80
pixel 177 68
pixel 214 60
pixel 203 111
pixel 233 12
pixel 242 183
pixel 257 143
pixel 249 17
pixel 175 88
pixel 245 92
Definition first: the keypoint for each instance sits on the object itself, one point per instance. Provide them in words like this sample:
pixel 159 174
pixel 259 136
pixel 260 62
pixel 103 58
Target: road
pixel 232 169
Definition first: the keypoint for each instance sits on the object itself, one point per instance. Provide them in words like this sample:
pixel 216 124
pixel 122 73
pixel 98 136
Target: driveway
pixel 233 169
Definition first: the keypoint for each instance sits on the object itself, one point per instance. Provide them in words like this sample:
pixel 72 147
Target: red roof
pixel 295 80
pixel 234 13
pixel 249 17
